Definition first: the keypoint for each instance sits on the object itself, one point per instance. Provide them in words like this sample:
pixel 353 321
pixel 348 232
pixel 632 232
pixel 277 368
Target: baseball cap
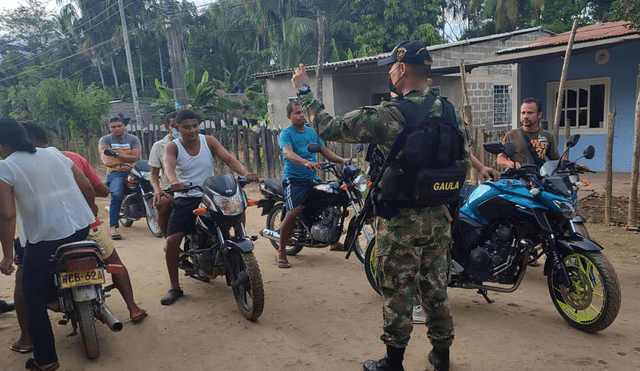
pixel 412 52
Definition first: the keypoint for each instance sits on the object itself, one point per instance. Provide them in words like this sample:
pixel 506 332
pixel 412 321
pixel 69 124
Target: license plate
pixel 75 279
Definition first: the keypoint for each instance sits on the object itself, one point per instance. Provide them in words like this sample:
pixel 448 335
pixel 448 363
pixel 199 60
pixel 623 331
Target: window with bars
pixel 501 105
pixel 584 103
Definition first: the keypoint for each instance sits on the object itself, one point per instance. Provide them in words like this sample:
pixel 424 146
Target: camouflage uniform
pixel 413 255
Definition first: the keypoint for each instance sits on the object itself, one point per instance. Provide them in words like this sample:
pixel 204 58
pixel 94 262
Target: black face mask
pixel 392 86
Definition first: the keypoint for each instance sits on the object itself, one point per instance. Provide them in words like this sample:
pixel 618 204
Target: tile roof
pixel 587 33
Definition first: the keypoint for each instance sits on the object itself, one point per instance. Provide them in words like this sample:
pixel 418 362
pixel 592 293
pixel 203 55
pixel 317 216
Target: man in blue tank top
pixel 189 160
pixel 300 172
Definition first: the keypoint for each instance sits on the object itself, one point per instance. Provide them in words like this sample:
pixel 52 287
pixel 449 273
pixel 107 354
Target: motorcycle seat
pixel 143 165
pixel 275 185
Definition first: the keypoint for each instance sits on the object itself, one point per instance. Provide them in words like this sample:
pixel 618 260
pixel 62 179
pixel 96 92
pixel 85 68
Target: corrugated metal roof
pixel 377 57
pixel 553 51
pixel 583 34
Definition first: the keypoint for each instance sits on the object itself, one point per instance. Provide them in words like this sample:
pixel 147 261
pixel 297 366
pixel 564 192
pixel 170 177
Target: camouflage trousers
pixel 413 259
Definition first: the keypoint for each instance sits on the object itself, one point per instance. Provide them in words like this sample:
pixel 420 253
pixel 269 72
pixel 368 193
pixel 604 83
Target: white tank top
pixel 194 169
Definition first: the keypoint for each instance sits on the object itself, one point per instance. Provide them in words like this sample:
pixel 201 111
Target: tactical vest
pixel 424 172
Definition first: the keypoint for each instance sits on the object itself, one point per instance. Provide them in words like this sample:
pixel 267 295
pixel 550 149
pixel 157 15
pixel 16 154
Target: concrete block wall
pixel 148 113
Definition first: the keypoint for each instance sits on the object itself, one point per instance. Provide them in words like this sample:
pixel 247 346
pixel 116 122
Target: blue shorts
pixel 295 191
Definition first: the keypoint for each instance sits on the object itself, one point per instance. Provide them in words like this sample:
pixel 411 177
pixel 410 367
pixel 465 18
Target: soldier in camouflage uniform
pixel 413 247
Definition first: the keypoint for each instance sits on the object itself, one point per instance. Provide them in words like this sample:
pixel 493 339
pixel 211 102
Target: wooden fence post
pixel 632 216
pixel 563 78
pixel 236 142
pixel 247 148
pixel 608 184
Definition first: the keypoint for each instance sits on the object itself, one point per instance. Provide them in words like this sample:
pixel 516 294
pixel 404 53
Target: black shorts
pixel 182 219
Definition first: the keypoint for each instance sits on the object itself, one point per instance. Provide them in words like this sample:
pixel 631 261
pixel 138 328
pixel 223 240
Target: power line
pixel 55 47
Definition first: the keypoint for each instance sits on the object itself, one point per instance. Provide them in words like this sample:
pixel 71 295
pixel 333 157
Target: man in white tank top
pixel 189 160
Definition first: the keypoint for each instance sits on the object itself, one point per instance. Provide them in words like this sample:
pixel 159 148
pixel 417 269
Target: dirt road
pixel 322 315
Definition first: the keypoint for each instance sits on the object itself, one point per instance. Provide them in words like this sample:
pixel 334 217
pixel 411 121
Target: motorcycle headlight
pixel 360 183
pixel 566 208
pixel 231 206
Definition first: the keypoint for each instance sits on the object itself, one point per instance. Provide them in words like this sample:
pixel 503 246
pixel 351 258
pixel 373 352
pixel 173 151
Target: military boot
pixel 439 358
pixel 392 361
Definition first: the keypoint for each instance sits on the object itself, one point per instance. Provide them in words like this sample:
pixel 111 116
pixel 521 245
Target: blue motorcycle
pixel 500 224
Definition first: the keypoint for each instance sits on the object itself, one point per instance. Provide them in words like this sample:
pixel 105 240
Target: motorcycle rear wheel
pixel 595 303
pixel 87 324
pixel 274 219
pixel 152 221
pixel 247 288
pixel 370 265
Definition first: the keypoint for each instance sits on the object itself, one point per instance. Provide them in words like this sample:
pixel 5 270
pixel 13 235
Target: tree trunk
pixel 466 116
pixel 141 70
pixel 100 71
pixel 608 184
pixel 113 70
pixel 563 78
pixel 161 66
pixel 632 217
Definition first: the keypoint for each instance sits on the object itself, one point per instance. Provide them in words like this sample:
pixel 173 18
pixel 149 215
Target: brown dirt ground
pixel 322 315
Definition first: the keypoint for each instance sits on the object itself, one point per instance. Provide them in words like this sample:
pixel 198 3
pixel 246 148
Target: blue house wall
pixel 622 68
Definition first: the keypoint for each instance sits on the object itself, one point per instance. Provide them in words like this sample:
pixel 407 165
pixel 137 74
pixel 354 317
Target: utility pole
pixel 175 56
pixel 132 77
pixel 321 42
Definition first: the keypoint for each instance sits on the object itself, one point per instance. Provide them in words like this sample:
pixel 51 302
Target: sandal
pixel 32 365
pixel 534 263
pixel 14 347
pixel 285 263
pixel 115 235
pixel 337 247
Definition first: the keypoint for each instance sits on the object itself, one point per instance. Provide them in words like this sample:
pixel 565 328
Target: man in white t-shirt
pixel 162 201
pixel 189 160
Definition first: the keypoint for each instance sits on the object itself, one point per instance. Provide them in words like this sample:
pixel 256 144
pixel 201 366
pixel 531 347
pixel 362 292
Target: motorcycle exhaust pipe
pixel 110 319
pixel 274 236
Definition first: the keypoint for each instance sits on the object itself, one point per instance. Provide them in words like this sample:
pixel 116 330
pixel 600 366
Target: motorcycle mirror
pixel 313 147
pixel 360 148
pixel 509 149
pixel 573 140
pixel 493 147
pixel 110 153
pixel 589 152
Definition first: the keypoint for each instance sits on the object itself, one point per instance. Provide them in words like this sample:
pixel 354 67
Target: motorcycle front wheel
pixel 581 228
pixel 367 234
pixel 152 220
pixel 595 302
pixel 87 325
pixel 246 284
pixel 274 219
pixel 370 265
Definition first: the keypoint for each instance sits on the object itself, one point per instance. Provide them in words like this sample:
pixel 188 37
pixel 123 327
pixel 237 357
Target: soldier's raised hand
pixel 299 77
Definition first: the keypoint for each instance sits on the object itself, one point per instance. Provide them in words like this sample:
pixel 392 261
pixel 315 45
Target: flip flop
pixel 534 263
pixel 15 348
pixel 32 365
pixel 115 235
pixel 282 261
pixel 139 318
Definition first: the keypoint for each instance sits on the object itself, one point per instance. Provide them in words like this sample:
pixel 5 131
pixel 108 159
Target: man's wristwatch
pixel 303 89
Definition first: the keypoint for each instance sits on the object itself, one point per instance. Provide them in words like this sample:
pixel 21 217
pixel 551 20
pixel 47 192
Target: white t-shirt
pixel 156 158
pixel 49 203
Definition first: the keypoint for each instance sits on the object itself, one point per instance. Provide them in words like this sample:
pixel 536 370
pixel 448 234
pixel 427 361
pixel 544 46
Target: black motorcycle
pixel 218 244
pixel 322 220
pixel 138 197
pixel 500 224
pixel 79 274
